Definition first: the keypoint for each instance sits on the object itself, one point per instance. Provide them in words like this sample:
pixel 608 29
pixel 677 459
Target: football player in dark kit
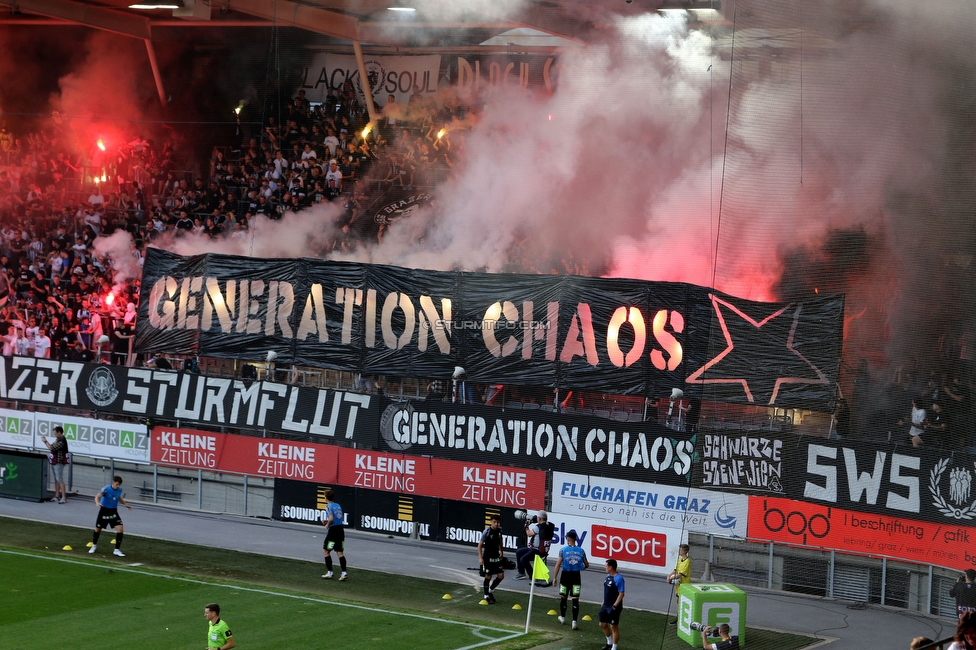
pixel 335 536
pixel 491 552
pixel 108 500
pixel 613 604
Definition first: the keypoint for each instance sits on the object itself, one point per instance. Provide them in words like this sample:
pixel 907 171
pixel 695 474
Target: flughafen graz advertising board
pixel 627 337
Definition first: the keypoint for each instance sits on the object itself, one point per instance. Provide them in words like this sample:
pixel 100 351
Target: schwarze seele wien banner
pixel 628 337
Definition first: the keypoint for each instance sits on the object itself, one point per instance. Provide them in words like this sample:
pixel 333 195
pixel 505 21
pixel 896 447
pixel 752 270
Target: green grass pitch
pixel 51 601
pixel 51 598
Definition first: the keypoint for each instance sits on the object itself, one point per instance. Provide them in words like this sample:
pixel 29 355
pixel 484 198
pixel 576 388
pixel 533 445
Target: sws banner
pixel 171 395
pixel 861 476
pixel 892 480
pixel 697 511
pixel 814 525
pixel 611 335
pixel 537 439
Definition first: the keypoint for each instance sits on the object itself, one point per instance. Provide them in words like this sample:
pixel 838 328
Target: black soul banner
pixel 628 337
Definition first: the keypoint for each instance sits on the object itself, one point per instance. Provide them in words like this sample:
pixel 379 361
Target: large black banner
pixel 637 451
pixel 863 476
pixel 208 401
pixel 611 335
pixel 895 480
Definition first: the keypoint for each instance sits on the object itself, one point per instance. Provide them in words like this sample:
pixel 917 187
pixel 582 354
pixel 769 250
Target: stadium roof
pixel 397 25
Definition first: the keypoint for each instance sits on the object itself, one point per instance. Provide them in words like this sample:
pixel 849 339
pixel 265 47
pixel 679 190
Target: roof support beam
pixel 84 14
pixel 292 14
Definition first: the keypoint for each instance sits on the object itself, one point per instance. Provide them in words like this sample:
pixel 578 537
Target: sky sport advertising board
pixel 636 547
pixel 694 510
pixel 812 525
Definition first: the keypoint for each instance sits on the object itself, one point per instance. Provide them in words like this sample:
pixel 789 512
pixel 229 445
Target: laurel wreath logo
pixel 947 509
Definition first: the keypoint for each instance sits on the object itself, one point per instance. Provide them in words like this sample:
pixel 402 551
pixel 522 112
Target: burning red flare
pixel 109 299
pixel 101 144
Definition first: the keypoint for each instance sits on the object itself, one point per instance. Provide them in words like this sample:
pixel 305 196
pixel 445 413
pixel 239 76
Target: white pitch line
pixel 474 582
pixel 474 628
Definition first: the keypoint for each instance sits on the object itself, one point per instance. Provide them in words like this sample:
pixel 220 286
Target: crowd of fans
pixel 909 405
pixel 60 297
pixel 63 300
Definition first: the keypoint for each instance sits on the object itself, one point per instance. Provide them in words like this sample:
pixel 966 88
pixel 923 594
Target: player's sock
pixel 609 640
pixel 328 563
pixel 494 584
pixel 575 608
pixel 118 540
pixel 562 607
pixel 487 582
pixel 614 647
pixel 342 564
pixel 95 536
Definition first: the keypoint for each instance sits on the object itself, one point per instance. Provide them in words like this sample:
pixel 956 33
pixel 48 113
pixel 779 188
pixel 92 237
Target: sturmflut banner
pixel 208 401
pixel 628 337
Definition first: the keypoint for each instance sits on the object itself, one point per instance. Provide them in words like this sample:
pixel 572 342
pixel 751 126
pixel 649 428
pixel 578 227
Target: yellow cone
pixel 483 602
pixel 113 541
pixel 587 618
pixel 89 545
pixel 516 606
pixel 446 597
pixel 551 612
pixel 67 548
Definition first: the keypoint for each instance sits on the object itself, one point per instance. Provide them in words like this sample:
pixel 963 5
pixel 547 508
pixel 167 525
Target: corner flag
pixel 539 570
